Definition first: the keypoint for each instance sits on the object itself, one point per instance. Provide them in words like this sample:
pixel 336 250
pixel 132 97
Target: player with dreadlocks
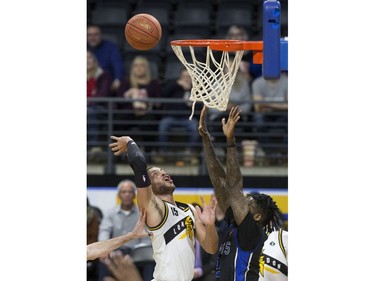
pixel 249 217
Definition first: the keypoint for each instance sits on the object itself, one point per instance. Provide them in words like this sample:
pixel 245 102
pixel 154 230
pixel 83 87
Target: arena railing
pixel 272 149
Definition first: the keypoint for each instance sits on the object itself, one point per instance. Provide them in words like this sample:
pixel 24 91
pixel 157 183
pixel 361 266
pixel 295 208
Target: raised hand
pixel 207 215
pixel 228 127
pixel 120 145
pixel 202 128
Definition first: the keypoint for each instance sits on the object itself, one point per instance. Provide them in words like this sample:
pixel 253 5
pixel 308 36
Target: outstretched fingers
pixel 235 113
pixel 203 202
pixel 213 201
pixel 202 125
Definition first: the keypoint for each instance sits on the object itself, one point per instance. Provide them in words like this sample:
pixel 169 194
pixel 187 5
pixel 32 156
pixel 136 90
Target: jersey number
pixel 174 212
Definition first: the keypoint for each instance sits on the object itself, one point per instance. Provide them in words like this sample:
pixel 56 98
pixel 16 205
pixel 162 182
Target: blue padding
pixel 284 54
pixel 271 39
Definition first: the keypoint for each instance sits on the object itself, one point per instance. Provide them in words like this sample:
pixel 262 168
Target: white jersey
pixel 173 244
pixel 274 257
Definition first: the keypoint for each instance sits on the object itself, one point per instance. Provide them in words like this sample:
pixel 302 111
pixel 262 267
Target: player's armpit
pixel 154 206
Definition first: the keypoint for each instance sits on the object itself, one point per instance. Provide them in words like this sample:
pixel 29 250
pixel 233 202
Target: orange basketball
pixel 143 32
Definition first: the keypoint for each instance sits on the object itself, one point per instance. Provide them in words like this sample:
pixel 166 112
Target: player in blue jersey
pixel 248 216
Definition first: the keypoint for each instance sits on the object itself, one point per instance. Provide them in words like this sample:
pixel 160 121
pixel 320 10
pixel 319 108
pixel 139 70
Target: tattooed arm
pixel 234 181
pixel 215 169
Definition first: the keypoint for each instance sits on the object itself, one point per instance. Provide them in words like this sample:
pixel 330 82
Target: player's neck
pixel 167 197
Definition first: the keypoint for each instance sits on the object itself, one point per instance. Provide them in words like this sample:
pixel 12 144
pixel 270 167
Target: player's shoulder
pixel 282 232
pixel 184 206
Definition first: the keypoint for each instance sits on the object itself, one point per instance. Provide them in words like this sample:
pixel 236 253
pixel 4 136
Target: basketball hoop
pixel 212 79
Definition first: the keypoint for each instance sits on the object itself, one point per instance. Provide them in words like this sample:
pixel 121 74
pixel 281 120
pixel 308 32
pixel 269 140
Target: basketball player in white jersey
pixel 274 258
pixel 173 225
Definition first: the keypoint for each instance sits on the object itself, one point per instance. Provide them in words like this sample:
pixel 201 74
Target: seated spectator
pixel 134 89
pixel 274 94
pixel 98 85
pixel 107 53
pixel 177 113
pixel 93 220
pixel 236 32
pixel 247 66
pixel 119 221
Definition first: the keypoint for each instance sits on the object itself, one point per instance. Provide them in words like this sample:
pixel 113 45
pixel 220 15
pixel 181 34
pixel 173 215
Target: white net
pixel 212 79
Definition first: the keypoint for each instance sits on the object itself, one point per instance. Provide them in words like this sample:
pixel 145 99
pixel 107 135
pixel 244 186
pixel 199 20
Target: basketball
pixel 143 32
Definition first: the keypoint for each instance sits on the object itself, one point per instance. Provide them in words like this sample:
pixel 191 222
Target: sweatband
pixel 138 163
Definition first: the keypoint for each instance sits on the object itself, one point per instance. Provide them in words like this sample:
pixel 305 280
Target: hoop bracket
pixel 226 45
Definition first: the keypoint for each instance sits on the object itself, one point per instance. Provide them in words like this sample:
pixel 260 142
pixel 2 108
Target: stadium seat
pixel 173 68
pixel 193 19
pixel 159 12
pixel 109 16
pixel 232 16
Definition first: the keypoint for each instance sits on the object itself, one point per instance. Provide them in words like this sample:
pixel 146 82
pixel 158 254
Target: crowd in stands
pixel 134 78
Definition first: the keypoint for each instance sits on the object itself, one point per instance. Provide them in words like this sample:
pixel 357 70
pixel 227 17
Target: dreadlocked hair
pixel 272 218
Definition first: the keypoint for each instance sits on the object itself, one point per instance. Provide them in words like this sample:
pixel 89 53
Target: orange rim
pixel 220 45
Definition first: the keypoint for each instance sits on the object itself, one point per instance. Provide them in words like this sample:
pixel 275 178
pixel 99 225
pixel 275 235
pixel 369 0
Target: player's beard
pixel 164 189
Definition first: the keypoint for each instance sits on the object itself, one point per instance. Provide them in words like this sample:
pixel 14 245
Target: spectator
pixel 93 220
pixel 236 32
pixel 177 114
pixel 104 248
pixel 247 66
pixel 107 53
pixel 121 220
pixel 274 94
pixel 98 85
pixel 134 89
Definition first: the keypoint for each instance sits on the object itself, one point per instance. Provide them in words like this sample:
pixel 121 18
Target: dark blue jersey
pixel 240 249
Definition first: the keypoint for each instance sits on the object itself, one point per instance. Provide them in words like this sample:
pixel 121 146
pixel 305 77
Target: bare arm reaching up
pixel 215 169
pixel 234 181
pixel 145 197
pixel 205 225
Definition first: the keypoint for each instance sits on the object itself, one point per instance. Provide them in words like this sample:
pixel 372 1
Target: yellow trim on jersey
pixel 281 242
pixel 270 269
pixel 163 220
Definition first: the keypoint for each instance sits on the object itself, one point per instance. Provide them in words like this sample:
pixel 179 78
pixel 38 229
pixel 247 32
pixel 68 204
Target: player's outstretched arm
pixel 215 169
pixel 103 248
pixel 205 225
pixel 234 180
pixel 145 197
